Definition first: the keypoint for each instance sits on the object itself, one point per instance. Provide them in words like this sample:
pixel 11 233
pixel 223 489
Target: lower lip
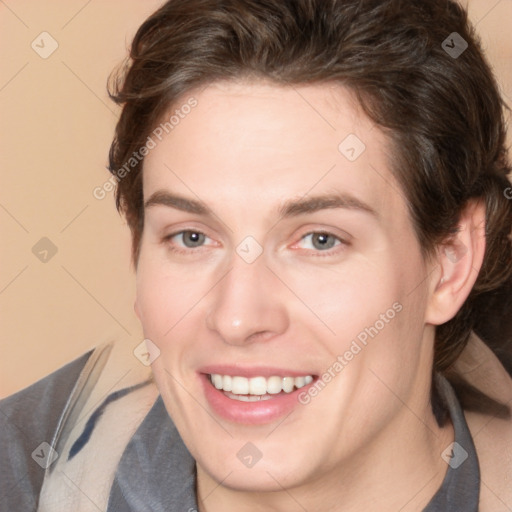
pixel 251 413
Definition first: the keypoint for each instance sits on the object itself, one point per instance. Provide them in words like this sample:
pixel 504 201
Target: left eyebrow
pixel 313 204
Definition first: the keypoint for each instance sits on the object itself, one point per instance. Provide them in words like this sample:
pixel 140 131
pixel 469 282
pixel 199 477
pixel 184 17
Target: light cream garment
pixel 83 483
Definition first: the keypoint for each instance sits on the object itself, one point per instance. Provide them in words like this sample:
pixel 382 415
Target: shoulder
pixel 493 442
pixel 28 419
pixel 491 435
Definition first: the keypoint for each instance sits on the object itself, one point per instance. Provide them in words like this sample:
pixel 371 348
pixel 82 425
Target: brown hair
pixel 442 111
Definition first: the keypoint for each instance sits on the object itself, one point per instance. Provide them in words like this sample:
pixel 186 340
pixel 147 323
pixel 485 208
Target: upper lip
pixel 252 371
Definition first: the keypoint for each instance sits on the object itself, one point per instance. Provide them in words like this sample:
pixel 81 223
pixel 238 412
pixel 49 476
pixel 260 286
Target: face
pixel 278 260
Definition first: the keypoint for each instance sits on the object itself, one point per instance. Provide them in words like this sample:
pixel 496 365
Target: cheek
pixel 163 290
pixel 379 311
pixel 393 303
pixel 349 298
pixel 161 299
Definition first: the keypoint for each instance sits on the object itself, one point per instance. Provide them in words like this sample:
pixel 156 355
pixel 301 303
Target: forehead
pixel 259 144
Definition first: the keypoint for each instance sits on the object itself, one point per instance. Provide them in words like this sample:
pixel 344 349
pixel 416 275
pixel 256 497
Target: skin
pixel 369 439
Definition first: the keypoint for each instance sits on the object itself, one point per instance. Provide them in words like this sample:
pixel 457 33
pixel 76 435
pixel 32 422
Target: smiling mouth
pixel 257 388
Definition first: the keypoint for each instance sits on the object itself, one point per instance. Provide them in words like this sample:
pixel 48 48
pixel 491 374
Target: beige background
pixel 56 125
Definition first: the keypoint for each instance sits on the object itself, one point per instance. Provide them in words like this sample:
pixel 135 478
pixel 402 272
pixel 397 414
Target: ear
pixel 456 266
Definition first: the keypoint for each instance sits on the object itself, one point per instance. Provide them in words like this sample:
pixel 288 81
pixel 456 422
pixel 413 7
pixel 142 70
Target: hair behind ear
pixel 496 330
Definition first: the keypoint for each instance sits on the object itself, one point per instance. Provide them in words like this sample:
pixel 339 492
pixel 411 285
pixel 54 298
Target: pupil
pixel 192 238
pixel 323 241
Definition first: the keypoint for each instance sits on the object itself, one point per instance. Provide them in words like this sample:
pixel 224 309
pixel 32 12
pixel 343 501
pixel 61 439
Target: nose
pixel 248 304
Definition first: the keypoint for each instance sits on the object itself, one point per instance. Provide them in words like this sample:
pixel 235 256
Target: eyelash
pixel 187 251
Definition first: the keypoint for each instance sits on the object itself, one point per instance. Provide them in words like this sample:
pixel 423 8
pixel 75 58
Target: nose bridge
pixel 243 304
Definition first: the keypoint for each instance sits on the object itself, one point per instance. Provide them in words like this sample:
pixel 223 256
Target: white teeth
pixel 256 387
pixel 240 386
pixel 300 382
pixel 288 383
pixel 217 381
pixel 248 398
pixel 274 385
pixel 227 382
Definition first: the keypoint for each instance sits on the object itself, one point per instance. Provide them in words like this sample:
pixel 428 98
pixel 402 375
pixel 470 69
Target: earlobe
pixel 459 260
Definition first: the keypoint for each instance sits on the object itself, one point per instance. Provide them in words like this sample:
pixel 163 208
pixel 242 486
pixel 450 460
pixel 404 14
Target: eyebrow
pixel 290 208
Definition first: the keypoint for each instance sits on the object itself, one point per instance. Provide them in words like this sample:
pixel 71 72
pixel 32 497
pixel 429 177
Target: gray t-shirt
pixel 156 472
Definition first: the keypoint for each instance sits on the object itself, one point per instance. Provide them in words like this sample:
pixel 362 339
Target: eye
pixel 188 239
pixel 320 241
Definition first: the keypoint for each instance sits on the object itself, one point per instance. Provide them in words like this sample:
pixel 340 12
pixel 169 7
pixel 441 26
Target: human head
pixel 442 114
pixel 245 70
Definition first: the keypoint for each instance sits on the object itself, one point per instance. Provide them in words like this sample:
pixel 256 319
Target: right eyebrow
pixel 163 198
